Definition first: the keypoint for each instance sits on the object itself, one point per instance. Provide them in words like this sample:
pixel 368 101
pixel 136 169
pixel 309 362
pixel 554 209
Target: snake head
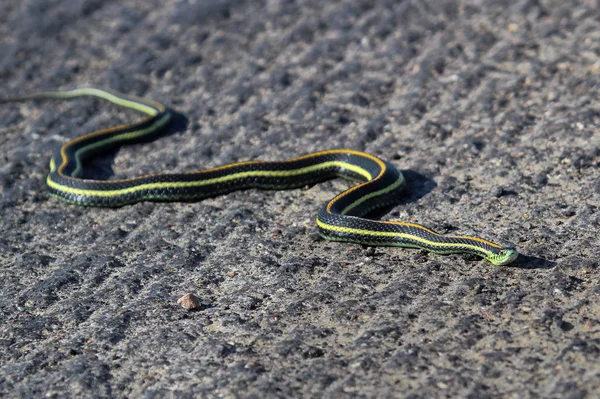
pixel 504 256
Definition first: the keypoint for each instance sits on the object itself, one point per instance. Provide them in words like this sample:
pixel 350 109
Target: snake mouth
pixel 505 256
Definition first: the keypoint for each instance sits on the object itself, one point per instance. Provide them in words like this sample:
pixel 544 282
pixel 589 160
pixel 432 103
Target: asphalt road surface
pixel 489 107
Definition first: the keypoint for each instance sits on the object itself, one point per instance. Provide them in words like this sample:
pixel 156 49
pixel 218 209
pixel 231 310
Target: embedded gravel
pixel 490 107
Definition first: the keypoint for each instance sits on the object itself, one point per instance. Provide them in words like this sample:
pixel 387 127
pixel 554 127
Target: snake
pixel 378 183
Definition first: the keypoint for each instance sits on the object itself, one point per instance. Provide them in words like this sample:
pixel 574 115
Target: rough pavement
pixel 490 107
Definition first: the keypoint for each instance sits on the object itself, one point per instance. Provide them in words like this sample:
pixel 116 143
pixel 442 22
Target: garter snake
pixel 341 219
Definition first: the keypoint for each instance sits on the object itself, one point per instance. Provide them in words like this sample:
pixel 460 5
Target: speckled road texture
pixel 491 109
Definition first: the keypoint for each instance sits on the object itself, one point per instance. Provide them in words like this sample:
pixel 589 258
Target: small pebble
pixel 189 302
pixel 498 192
pixel 370 251
pixel 541 179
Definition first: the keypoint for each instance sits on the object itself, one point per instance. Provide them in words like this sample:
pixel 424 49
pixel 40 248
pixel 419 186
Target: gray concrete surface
pixel 491 108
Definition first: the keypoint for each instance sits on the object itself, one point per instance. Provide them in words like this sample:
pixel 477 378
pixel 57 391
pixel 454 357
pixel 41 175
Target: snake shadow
pixel 100 167
pixel 417 186
pixel 531 262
